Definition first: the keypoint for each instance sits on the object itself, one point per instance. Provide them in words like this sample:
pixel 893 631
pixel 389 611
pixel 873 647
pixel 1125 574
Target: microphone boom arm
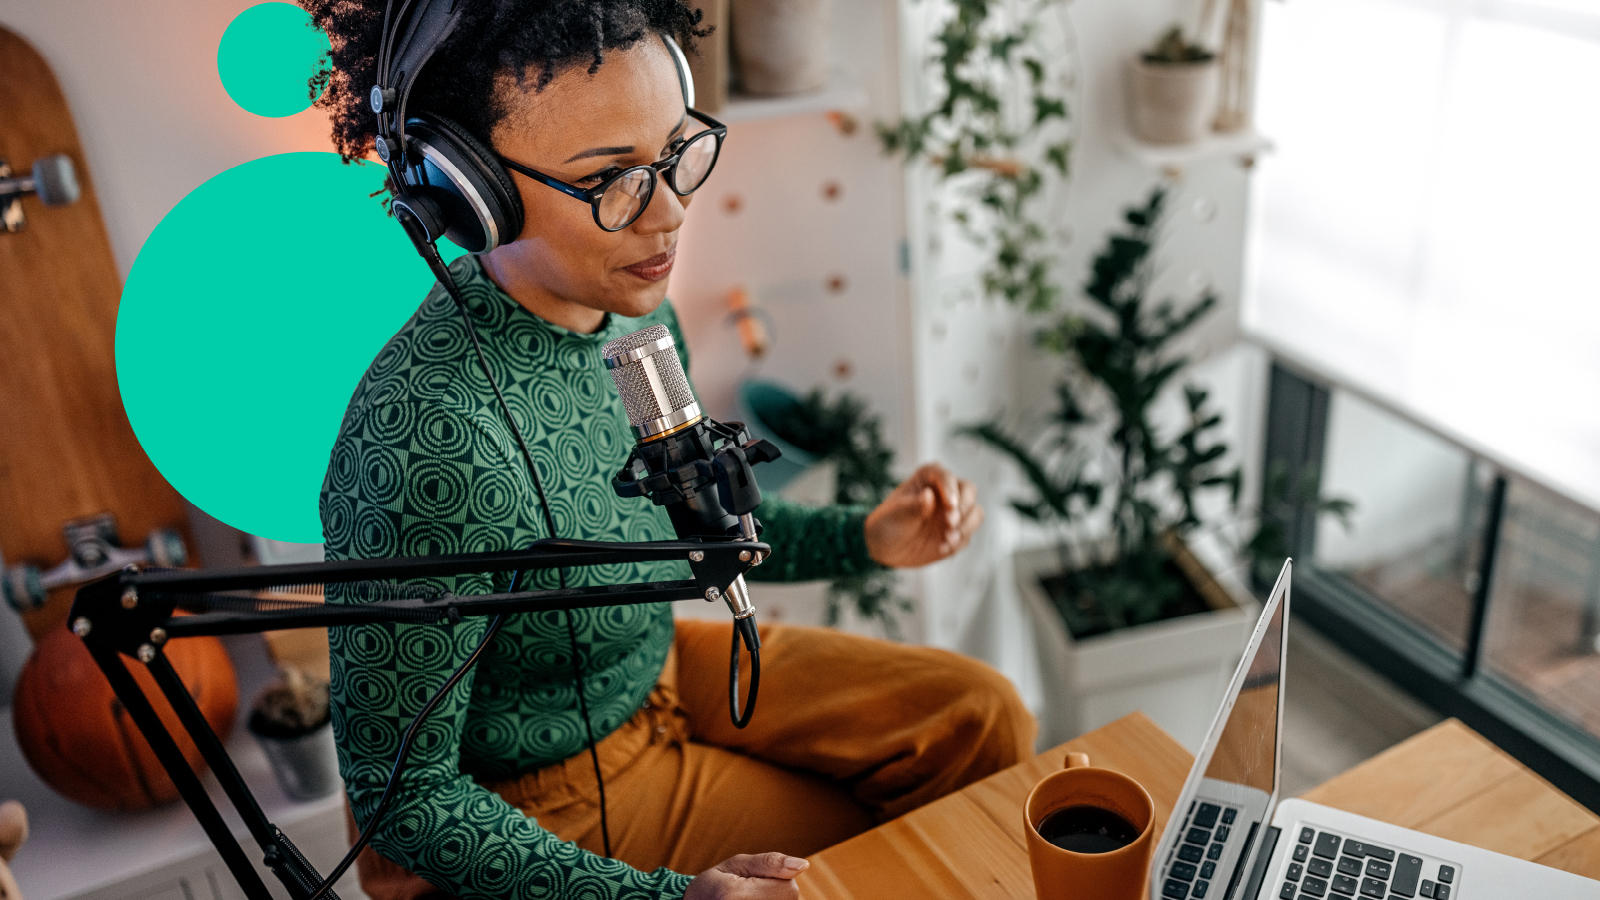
pixel 134 614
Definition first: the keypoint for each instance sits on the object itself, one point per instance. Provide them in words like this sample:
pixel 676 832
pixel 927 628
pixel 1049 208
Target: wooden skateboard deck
pixel 66 448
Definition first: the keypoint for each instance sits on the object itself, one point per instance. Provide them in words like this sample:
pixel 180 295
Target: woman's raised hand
pixel 767 876
pixel 929 517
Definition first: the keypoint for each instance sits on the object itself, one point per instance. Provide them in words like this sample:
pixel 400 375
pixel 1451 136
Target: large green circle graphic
pixel 250 315
pixel 267 56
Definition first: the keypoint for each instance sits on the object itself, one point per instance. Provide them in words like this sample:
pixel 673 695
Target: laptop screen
pixel 1227 801
pixel 1246 754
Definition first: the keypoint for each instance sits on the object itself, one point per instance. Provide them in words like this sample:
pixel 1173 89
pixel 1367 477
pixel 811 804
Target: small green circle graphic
pixel 267 57
pixel 249 316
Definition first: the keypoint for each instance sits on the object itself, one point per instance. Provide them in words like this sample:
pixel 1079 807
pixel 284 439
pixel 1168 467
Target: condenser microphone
pixel 649 376
pixel 54 179
pixel 696 467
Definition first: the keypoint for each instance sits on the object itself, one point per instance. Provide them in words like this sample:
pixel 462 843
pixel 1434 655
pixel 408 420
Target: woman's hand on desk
pixel 769 876
pixel 930 516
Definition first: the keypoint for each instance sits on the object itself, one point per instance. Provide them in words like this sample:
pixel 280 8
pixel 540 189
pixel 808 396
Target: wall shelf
pixel 1244 145
pixel 843 92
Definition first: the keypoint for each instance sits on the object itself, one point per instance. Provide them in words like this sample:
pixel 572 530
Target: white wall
pixel 787 242
pixel 825 272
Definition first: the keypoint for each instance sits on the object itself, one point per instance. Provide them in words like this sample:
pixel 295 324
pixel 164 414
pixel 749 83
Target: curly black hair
pixel 518 37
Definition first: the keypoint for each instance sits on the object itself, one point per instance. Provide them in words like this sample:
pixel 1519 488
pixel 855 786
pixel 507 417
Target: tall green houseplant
pixel 1102 474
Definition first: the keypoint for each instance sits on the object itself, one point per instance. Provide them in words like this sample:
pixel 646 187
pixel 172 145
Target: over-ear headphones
pixel 448 181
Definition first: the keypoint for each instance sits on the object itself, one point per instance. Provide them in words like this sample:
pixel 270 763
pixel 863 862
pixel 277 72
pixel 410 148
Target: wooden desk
pixel 1447 781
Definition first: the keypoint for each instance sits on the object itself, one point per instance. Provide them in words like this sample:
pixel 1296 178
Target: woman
pixel 500 798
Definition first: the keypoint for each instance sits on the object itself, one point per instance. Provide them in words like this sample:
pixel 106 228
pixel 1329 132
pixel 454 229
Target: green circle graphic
pixel 267 57
pixel 248 318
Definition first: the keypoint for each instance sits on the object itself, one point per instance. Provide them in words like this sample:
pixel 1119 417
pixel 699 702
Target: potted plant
pixel 844 434
pixel 999 135
pixel 782 46
pixel 1125 616
pixel 292 722
pixel 1174 88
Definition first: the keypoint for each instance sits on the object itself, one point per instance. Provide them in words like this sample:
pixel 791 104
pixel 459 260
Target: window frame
pixel 1453 683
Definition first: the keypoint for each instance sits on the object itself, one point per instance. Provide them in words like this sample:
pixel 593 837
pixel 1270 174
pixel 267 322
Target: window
pixel 1415 536
pixel 1474 588
pixel 1429 222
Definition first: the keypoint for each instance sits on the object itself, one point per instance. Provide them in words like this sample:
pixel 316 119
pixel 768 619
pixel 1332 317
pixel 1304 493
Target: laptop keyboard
pixel 1326 866
pixel 1205 831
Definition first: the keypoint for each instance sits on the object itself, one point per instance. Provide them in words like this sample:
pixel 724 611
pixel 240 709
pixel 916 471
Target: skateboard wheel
pixel 22 588
pixel 166 549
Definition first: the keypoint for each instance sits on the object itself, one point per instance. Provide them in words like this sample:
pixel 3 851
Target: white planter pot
pixel 1174 670
pixel 782 45
pixel 307 767
pixel 1173 103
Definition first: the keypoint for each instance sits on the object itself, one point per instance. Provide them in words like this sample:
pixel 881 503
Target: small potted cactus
pixel 1174 89
pixel 292 722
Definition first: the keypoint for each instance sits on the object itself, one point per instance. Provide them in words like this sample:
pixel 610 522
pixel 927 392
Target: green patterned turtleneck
pixel 424 464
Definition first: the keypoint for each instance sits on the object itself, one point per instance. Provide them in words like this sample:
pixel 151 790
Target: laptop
pixel 1231 839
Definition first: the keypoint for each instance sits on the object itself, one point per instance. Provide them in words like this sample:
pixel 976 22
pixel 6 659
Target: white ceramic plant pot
pixel 1174 670
pixel 1173 103
pixel 307 766
pixel 782 46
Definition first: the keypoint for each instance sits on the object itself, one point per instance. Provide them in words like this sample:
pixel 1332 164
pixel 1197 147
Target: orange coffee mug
pixel 1115 874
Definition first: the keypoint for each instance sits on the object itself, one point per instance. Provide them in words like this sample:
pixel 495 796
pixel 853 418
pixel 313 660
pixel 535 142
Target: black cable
pixel 406 743
pixel 740 721
pixel 446 278
pixel 583 708
pixel 442 272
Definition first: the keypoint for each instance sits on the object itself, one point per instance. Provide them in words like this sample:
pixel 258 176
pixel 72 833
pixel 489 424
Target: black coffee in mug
pixel 1087 829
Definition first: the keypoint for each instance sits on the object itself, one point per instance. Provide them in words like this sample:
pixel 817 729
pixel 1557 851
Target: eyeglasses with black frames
pixel 622 198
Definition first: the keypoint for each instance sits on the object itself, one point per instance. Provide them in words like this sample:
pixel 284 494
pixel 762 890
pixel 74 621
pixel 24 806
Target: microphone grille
pixel 653 386
pixel 636 340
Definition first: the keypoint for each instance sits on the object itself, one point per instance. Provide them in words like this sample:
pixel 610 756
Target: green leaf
pixel 1047 108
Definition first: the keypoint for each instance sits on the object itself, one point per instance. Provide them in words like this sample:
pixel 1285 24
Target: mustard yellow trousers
pixel 848 732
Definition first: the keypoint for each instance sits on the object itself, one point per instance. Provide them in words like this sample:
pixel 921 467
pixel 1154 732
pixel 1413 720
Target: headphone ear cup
pixel 482 208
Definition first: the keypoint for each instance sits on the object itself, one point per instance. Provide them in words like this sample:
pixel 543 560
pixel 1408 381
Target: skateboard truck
pixel 53 178
pixel 94 553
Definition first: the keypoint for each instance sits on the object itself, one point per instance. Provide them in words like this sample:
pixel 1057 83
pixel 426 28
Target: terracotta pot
pixel 1173 103
pixel 782 46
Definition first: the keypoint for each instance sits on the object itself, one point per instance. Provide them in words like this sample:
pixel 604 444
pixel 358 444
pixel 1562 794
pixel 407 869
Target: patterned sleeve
pixel 810 543
pixel 442 825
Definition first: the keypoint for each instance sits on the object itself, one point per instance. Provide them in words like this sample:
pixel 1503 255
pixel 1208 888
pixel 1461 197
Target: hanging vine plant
pixel 998 131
